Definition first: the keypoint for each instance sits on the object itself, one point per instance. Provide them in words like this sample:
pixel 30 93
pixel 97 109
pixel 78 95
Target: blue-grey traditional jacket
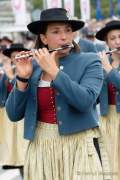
pixel 112 77
pixel 77 84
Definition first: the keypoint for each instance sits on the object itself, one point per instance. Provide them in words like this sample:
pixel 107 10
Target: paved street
pixel 13 174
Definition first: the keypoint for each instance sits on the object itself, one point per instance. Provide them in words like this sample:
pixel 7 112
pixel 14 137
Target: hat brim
pixel 36 27
pixel 7 52
pixel 103 32
pixel 5 38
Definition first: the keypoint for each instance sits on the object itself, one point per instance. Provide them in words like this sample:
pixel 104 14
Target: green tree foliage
pixel 37 4
pixel 105 6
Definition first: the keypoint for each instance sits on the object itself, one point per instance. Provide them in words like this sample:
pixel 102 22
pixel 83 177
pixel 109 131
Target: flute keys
pixel 29 54
pixel 23 56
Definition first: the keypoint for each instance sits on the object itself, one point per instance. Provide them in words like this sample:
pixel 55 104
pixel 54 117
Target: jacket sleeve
pixel 15 104
pixel 114 78
pixel 84 94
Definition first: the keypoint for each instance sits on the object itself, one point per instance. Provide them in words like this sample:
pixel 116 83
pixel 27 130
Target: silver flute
pixel 113 50
pixel 30 53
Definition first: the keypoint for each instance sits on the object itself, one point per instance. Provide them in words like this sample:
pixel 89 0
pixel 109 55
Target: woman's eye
pixel 69 30
pixel 112 38
pixel 55 32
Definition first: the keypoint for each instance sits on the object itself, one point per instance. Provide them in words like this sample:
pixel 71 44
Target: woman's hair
pixel 40 44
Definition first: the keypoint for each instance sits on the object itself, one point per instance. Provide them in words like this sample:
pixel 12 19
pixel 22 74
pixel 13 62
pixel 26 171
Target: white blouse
pixel 43 83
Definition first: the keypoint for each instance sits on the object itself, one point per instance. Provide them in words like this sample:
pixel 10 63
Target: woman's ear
pixel 43 39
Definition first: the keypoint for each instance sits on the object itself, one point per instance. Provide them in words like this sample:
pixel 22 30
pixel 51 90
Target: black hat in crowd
pixel 14 47
pixel 6 38
pixel 101 34
pixel 54 15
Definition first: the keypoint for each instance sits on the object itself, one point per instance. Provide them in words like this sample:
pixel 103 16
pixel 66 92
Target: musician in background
pixel 6 41
pixel 12 144
pixel 85 45
pixel 8 69
pixel 89 34
pixel 109 98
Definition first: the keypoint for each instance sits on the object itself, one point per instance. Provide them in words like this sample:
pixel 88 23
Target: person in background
pixel 89 34
pixel 85 45
pixel 12 143
pixel 55 92
pixel 6 41
pixel 109 98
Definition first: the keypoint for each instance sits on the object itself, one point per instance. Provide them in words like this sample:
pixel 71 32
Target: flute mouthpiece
pixel 67 46
pixel 113 50
pixel 62 47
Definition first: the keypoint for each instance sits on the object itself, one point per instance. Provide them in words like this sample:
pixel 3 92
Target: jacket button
pixel 60 122
pixel 117 93
pixel 58 108
pixel 61 67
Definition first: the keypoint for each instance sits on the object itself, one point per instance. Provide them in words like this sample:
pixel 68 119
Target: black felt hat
pixel 101 34
pixel 6 38
pixel 54 15
pixel 14 47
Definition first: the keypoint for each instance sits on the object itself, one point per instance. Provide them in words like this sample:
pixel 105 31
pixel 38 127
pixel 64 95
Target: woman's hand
pixel 24 70
pixel 47 61
pixel 105 61
pixel 24 67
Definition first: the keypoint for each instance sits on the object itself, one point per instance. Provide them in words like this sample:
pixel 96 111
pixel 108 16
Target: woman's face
pixel 57 35
pixel 113 39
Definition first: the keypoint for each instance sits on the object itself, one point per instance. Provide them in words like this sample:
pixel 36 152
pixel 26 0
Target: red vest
pixel 46 105
pixel 9 87
pixel 111 94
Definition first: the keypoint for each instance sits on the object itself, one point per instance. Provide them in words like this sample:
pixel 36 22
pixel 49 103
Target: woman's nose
pixel 118 41
pixel 63 35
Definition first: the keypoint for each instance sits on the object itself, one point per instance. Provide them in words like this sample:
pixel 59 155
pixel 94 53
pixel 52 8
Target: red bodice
pixel 111 94
pixel 46 105
pixel 9 87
